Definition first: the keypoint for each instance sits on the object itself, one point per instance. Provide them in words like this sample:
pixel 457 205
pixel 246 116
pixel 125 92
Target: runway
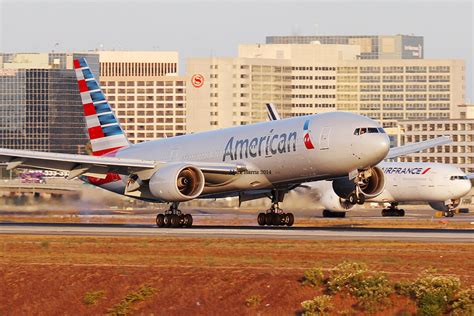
pixel 306 233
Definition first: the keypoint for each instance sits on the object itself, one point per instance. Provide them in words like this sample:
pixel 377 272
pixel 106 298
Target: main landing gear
pixel 174 218
pixel 393 210
pixel 275 215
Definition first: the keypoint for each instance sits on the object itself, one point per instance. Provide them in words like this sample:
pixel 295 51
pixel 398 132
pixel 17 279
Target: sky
pixel 216 28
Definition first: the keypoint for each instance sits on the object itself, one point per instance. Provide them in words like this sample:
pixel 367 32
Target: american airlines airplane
pixel 439 185
pixel 253 161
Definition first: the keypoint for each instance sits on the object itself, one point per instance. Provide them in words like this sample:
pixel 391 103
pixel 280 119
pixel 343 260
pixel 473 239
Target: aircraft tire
pixel 261 219
pixel 401 212
pixel 352 198
pixel 167 220
pixel 160 220
pixel 290 219
pixel 188 220
pixel 360 199
pixel 175 221
pixel 269 219
pixel 276 219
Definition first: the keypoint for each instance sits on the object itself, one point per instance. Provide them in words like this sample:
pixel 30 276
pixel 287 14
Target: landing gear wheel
pixel 269 219
pixel 187 220
pixel 276 220
pixel 352 198
pixel 167 220
pixel 160 220
pixel 261 219
pixel 290 219
pixel 175 221
pixel 360 199
pixel 449 213
pixel 401 212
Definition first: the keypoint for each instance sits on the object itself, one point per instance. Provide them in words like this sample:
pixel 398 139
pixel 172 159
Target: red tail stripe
pixel 95 132
pixel 76 64
pixel 82 86
pixel 105 152
pixel 89 109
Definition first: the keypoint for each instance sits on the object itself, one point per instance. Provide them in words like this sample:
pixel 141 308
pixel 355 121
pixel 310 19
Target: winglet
pixel 105 133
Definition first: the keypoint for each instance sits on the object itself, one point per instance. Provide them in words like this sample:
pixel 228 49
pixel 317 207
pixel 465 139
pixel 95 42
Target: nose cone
pixel 463 187
pixel 375 148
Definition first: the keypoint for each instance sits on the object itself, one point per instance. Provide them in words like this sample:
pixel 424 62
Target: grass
pixel 91 298
pixel 125 306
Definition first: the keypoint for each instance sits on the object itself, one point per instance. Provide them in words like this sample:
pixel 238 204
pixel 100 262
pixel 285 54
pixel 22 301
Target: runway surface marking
pixel 83 229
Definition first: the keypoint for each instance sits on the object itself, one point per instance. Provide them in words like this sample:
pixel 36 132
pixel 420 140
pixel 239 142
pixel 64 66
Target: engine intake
pixel 371 183
pixel 177 183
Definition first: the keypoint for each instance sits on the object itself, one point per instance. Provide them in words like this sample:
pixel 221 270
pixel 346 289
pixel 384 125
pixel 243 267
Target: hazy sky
pixel 203 28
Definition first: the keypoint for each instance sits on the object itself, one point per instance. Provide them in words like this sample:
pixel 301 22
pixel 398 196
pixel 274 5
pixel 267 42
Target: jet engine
pixel 371 183
pixel 177 183
pixel 332 202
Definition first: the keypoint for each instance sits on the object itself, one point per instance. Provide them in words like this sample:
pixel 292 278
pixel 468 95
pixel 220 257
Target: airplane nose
pixel 466 187
pixel 379 147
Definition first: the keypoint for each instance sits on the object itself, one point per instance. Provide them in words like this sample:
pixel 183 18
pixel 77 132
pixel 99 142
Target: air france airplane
pixel 251 161
pixel 439 185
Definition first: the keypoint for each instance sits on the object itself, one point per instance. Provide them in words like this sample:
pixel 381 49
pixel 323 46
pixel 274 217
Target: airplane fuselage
pixel 279 152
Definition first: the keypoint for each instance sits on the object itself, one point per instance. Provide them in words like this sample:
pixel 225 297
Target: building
pixel 145 91
pixel 233 91
pixel 371 46
pixel 460 152
pixel 40 105
pixel 313 72
pixel 331 77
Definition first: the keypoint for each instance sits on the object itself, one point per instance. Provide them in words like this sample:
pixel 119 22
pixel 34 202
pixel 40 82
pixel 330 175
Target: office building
pixel 146 92
pixel 371 46
pixel 40 105
pixel 459 153
pixel 224 92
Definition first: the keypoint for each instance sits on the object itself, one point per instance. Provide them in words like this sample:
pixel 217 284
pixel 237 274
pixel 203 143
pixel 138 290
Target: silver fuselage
pixel 274 153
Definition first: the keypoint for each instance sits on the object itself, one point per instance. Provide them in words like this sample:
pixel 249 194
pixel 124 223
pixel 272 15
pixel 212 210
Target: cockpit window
pixel 458 178
pixel 371 130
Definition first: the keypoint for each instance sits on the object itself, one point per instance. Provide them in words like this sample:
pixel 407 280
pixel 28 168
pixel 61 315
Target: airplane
pixel 439 185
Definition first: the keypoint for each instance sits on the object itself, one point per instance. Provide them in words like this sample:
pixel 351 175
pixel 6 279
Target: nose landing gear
pixel 393 210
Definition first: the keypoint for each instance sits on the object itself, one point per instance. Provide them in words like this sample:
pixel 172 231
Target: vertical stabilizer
pixel 105 133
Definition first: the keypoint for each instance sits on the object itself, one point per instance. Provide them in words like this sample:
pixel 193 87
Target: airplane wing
pixel 417 147
pixel 94 166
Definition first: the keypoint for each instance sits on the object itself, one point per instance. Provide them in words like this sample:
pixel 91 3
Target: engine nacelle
pixel 177 183
pixel 441 206
pixel 371 183
pixel 332 202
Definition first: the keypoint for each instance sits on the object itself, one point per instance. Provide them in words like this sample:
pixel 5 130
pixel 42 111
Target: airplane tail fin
pixel 272 112
pixel 105 133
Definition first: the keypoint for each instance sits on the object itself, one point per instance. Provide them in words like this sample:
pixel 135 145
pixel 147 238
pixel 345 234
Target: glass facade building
pixel 40 105
pixel 372 46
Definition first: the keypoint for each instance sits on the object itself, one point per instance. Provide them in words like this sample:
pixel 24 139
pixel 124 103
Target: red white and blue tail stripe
pixel 105 133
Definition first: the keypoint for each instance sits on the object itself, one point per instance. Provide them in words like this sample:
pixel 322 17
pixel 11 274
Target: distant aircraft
pixel 251 161
pixel 439 185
